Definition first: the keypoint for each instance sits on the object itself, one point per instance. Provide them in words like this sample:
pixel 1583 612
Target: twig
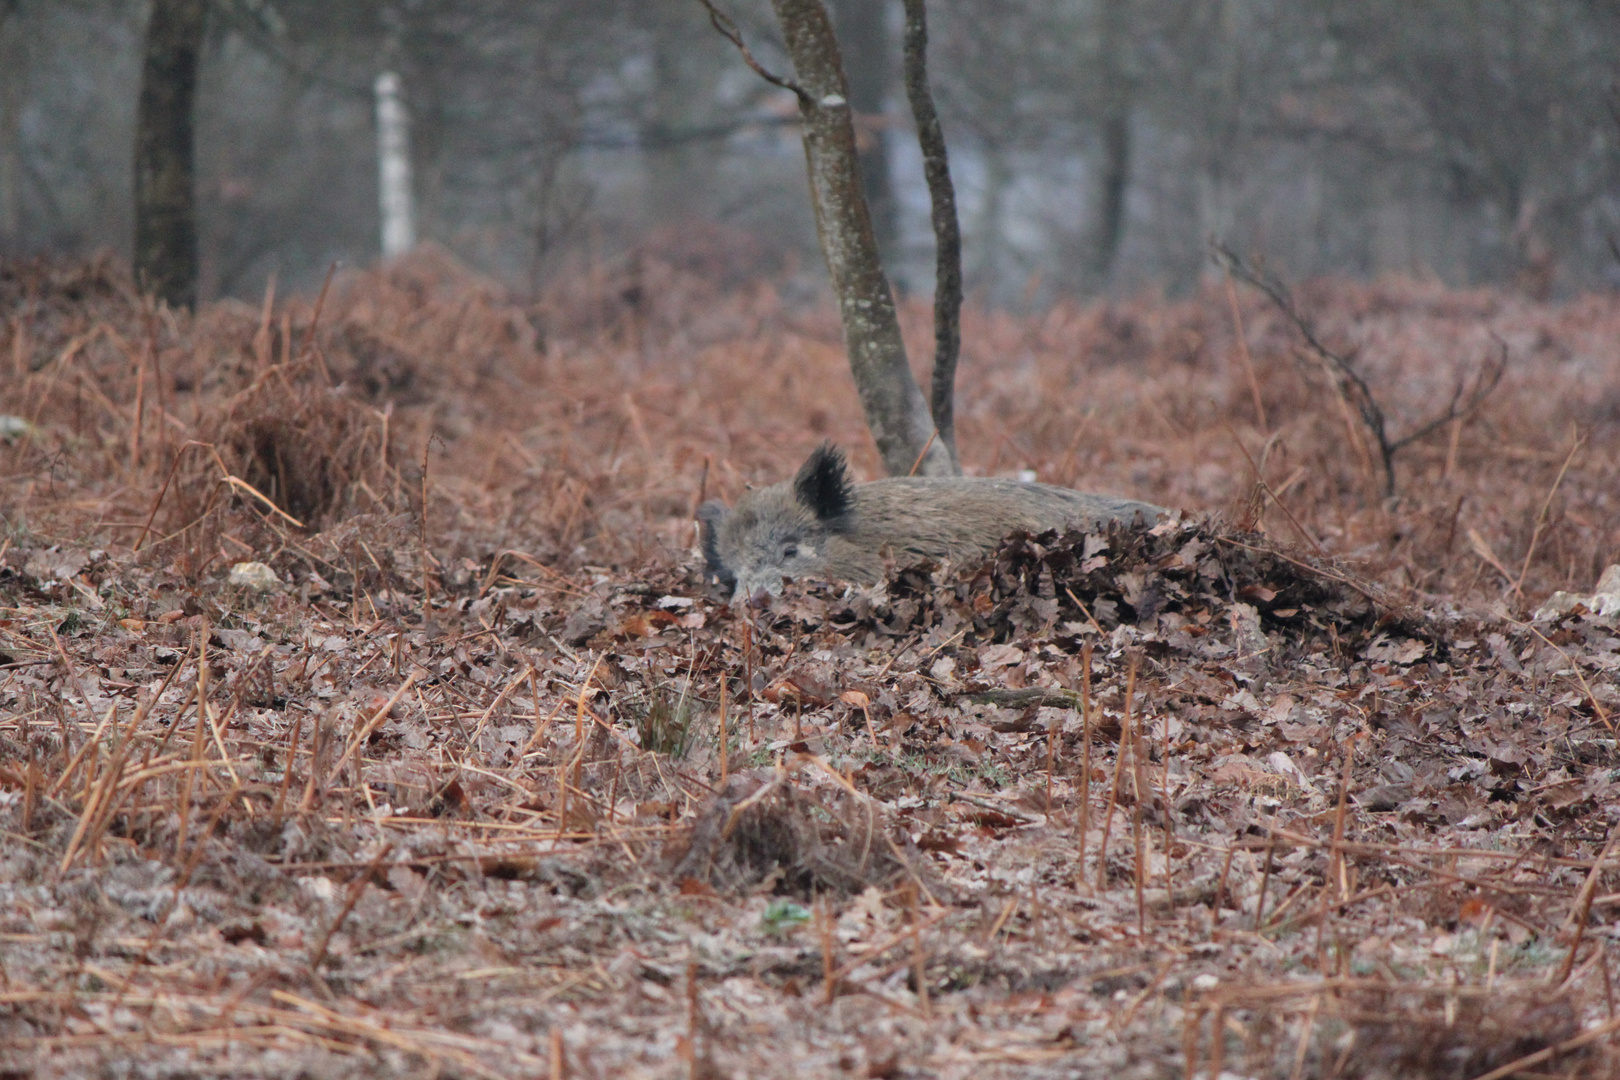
pixel 1341 368
pixel 1541 518
pixel 1130 729
pixel 1243 351
pixel 829 967
pixel 1482 548
pixel 1489 377
pixel 197 736
pixel 1265 880
pixel 1259 478
pixel 287 773
pixel 1085 759
pixel 377 717
pixel 1086 611
pixel 243 485
pixel 84 748
pixel 1581 910
pixel 915 465
pixel 1024 696
pixel 727 29
pixel 357 887
pixel 1317 570
pixel 866 954
pixel 919 955
pixel 1597 706
pixel 1590 1035
pixel 1022 819
pixel 314 323
pixel 108 797
pixel 725 749
pixel 97 795
pixel 317 743
pixel 1305 1039
pixel 1169 824
pixel 1335 871
pixel 164 490
pixel 1113 800
pixel 483 719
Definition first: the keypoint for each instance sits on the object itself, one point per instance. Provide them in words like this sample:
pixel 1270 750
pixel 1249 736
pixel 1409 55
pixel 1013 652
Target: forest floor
pixel 487 780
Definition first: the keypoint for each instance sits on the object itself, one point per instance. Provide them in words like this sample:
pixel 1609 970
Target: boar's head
pixel 781 531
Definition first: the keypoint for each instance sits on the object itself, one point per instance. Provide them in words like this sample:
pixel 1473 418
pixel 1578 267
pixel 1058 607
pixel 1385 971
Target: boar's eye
pixel 790 551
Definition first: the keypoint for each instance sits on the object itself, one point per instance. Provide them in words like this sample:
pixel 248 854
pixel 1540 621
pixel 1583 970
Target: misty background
pixel 1096 144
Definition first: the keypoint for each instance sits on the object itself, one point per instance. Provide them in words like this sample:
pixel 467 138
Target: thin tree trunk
pixel 1114 182
pixel 987 226
pixel 1116 144
pixel 165 196
pixel 13 70
pixel 896 411
pixel 947 228
pixel 680 171
pixel 863 34
pixel 394 202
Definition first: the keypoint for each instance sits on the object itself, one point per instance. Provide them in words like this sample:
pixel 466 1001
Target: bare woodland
pixel 366 708
pixel 1097 143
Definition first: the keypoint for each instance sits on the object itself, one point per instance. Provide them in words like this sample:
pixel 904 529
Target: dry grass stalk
pixel 1113 788
pixel 1085 758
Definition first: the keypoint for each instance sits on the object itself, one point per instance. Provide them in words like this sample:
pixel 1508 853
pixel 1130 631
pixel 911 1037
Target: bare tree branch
pixel 947 228
pixel 1461 404
pixel 1341 368
pixel 727 29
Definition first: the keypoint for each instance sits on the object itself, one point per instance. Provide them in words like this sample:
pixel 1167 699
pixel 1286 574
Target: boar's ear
pixel 823 486
pixel 710 515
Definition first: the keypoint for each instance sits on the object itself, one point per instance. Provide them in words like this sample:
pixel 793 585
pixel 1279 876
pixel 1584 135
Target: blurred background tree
pixel 165 159
pixel 1097 143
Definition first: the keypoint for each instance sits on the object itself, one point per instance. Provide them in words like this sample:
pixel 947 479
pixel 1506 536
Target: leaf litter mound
pixel 1158 590
pixel 488 781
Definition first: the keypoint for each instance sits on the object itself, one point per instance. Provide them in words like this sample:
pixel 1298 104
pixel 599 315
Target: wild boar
pixel 822 525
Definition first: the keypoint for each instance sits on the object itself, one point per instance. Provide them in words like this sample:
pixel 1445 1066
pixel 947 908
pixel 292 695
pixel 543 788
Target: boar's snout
pixel 711 517
pixel 779 532
pixel 736 551
pixel 756 587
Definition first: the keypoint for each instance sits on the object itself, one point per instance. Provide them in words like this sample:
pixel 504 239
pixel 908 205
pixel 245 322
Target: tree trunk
pixel 947 227
pixel 13 72
pixel 863 34
pixel 1115 171
pixel 986 230
pixel 1112 186
pixel 394 203
pixel 165 196
pixel 896 411
pixel 681 171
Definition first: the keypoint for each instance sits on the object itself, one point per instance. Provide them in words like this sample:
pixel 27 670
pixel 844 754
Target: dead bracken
pixel 491 781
